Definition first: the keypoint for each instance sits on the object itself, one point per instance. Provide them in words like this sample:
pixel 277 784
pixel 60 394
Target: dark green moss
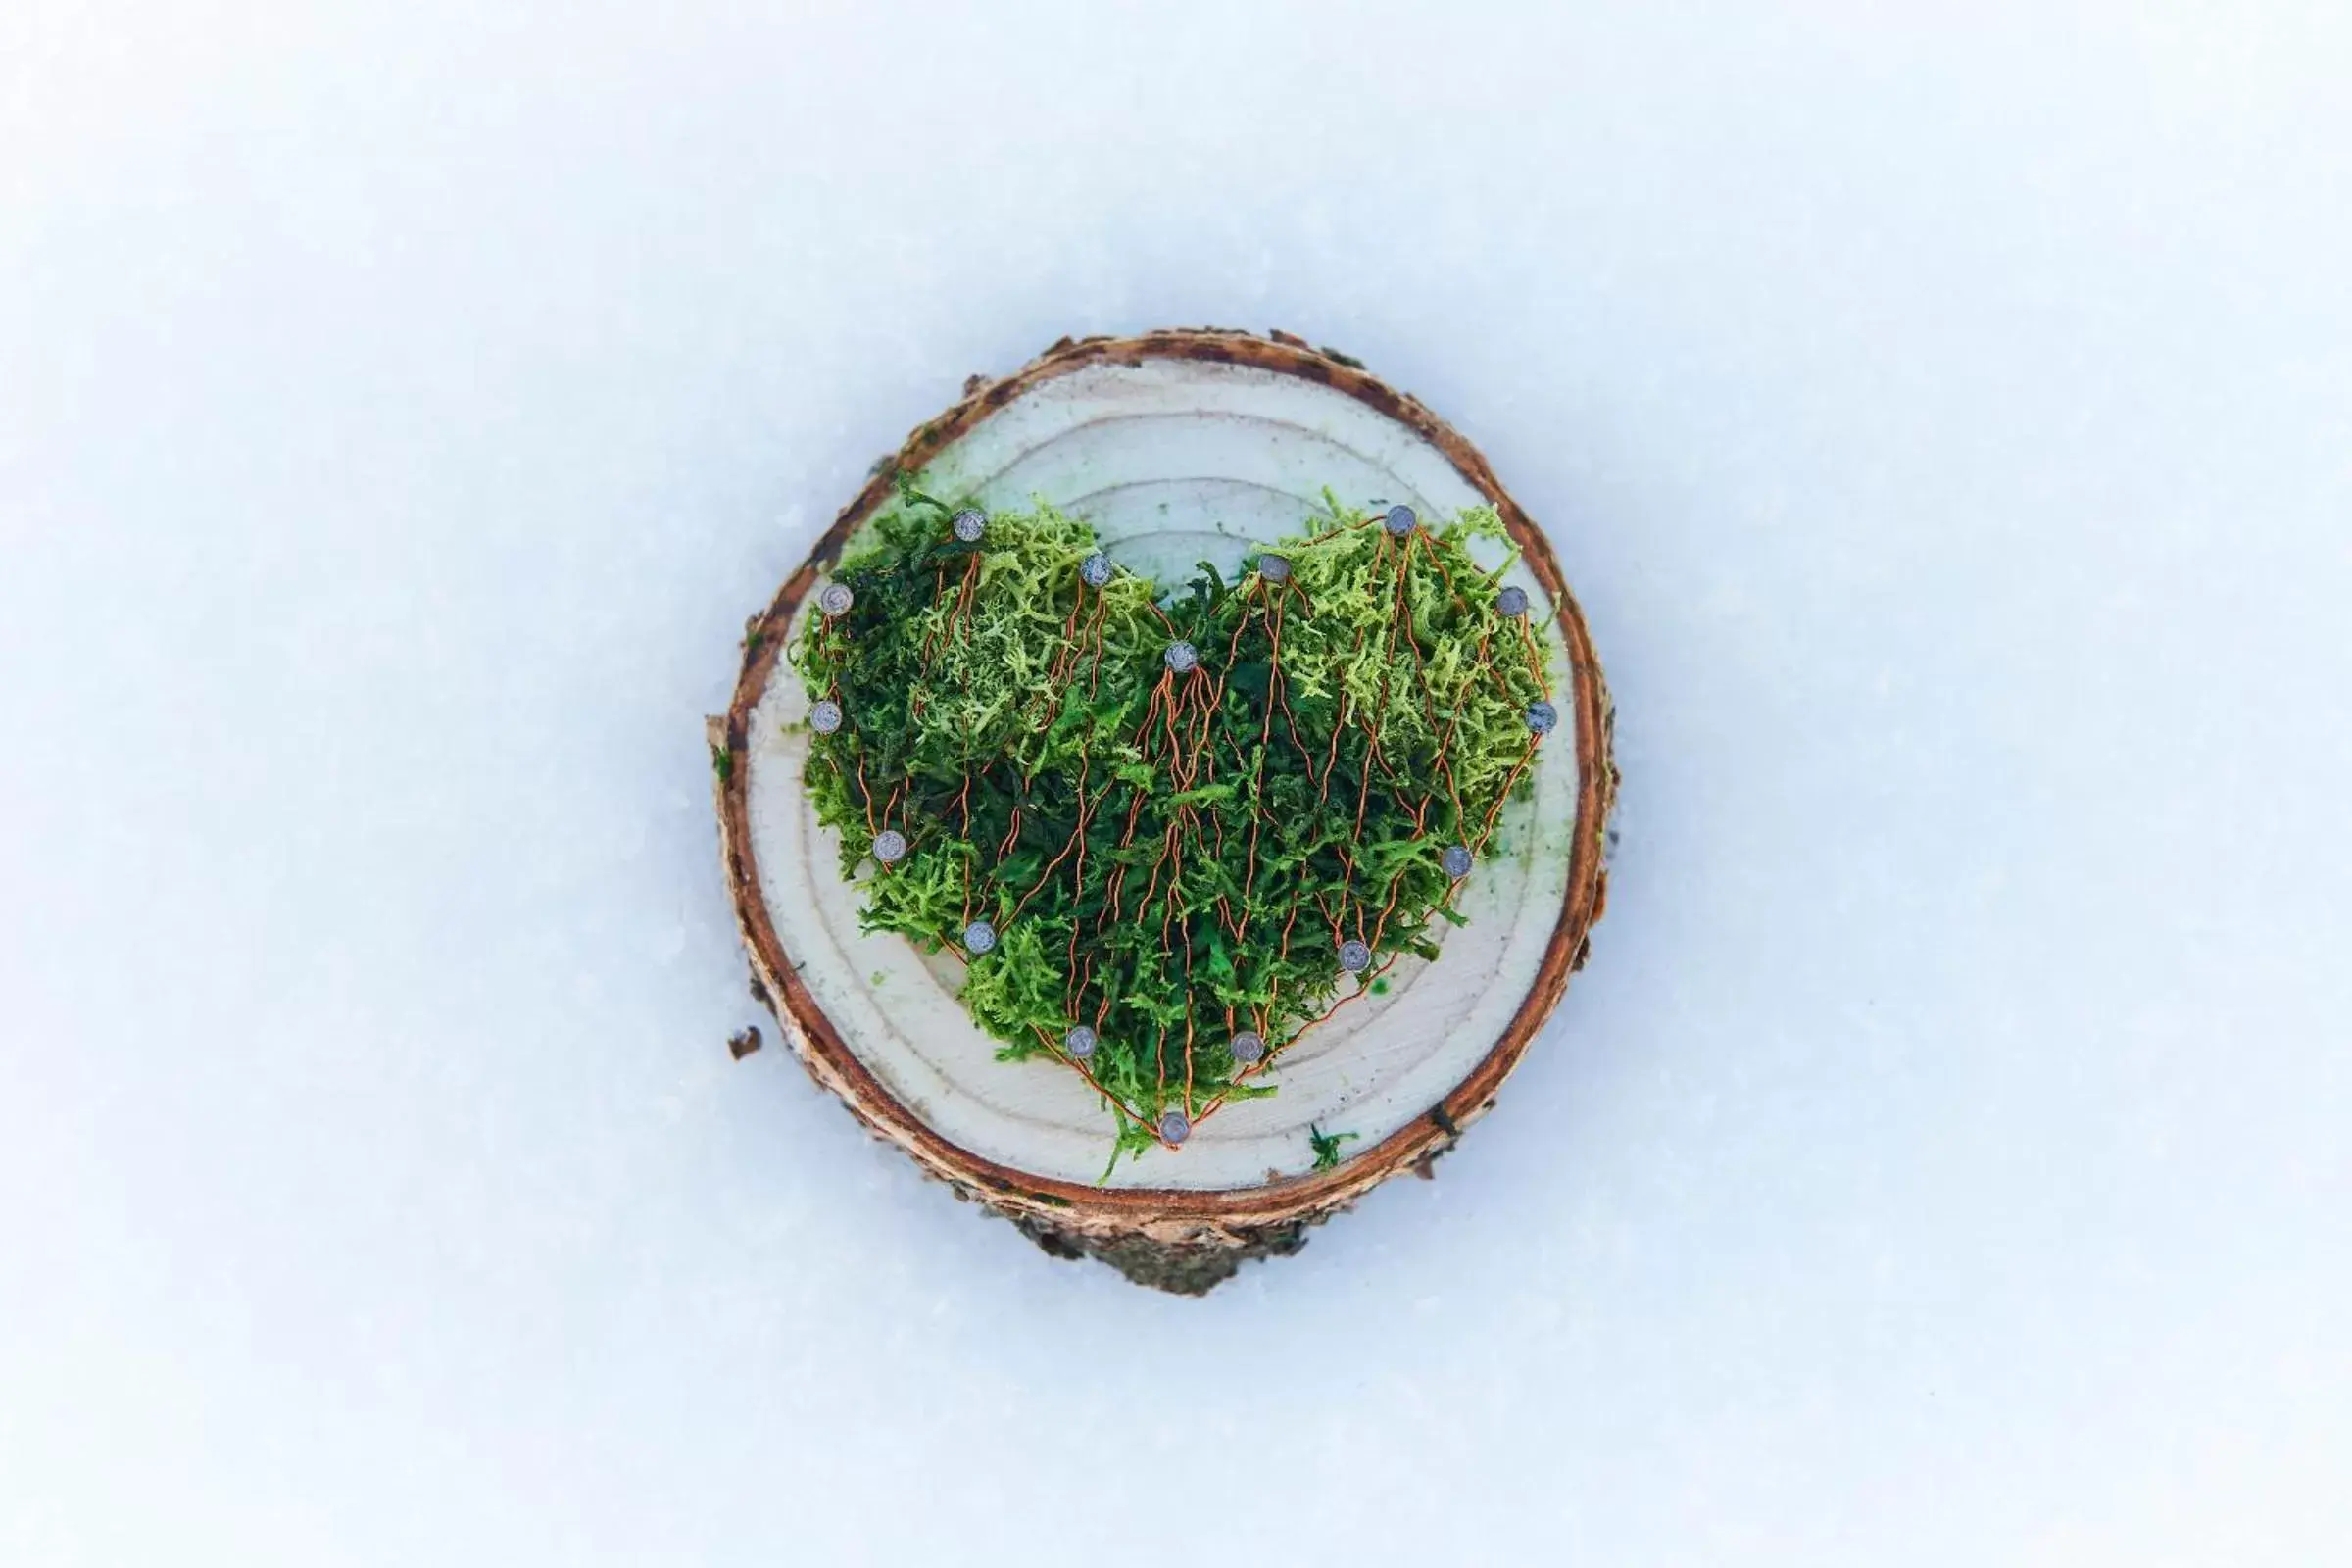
pixel 1326 1146
pixel 1167 856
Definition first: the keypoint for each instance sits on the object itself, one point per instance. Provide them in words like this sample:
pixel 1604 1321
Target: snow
pixel 1942 414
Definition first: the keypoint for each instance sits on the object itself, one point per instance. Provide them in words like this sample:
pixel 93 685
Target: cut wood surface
pixel 1177 447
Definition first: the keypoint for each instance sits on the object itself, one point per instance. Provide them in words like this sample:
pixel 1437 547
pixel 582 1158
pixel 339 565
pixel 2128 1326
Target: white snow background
pixel 1944 412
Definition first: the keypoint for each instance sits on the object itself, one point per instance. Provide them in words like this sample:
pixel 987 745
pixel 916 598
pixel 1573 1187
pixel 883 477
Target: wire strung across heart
pixel 1167 835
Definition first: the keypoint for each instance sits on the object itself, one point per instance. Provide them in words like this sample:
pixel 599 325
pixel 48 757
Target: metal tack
pixel 1354 957
pixel 1182 657
pixel 979 937
pixel 1248 1047
pixel 969 525
pixel 1174 1125
pixel 1079 1042
pixel 836 598
pixel 1274 569
pixel 1095 570
pixel 1455 860
pixel 890 846
pixel 824 716
pixel 1511 601
pixel 1400 520
pixel 1541 717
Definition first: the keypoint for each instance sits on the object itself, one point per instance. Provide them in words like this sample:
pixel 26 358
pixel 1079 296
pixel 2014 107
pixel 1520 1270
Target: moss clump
pixel 1171 853
pixel 1326 1146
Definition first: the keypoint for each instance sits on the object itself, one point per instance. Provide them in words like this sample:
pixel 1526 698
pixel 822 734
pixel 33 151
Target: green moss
pixel 1326 1146
pixel 1168 858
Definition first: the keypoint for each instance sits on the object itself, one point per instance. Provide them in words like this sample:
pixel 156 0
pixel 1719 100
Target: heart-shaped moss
pixel 1166 833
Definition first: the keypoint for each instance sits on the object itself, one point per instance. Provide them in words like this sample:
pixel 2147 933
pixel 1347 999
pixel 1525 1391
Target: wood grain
pixel 1162 1227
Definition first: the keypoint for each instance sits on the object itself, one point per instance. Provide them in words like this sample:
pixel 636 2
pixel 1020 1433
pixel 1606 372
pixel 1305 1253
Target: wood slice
pixel 1177 446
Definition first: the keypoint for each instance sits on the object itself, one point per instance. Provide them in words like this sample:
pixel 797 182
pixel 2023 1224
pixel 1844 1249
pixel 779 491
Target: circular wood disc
pixel 1178 447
